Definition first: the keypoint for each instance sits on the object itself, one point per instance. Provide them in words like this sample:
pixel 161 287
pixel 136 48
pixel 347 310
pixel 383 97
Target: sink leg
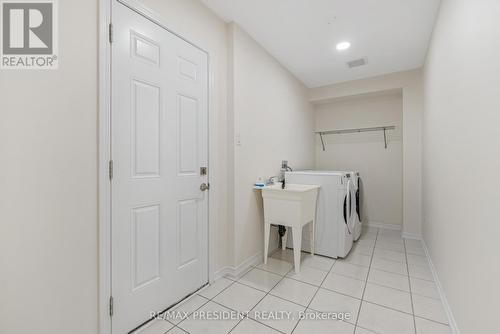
pixel 284 238
pixel 297 247
pixel 267 231
pixel 311 235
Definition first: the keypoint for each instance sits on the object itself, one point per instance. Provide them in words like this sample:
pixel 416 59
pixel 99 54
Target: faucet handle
pixel 271 180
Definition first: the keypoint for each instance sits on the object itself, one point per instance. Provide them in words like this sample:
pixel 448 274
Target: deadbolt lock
pixel 204 186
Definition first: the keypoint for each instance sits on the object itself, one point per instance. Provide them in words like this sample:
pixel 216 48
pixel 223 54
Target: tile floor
pixel 385 284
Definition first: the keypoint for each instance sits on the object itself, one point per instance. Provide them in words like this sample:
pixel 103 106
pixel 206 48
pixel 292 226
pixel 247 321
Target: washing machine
pixel 358 202
pixel 334 226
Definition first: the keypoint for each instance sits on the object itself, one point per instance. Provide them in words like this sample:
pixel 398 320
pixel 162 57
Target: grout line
pixel 317 290
pixel 411 294
pixel 366 280
pixel 267 293
pixel 208 300
pixel 434 321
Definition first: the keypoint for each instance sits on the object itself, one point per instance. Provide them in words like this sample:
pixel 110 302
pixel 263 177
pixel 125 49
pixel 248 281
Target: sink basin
pixel 291 206
pixel 294 207
pixel 291 187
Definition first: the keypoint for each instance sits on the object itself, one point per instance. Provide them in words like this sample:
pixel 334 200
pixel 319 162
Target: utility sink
pixel 297 202
pixel 293 207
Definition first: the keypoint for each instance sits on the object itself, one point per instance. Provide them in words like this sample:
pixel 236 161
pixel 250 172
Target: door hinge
pixel 111 306
pixel 110 33
pixel 110 169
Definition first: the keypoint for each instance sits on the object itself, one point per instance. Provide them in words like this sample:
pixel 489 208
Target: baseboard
pixel 236 272
pixel 376 224
pixel 413 236
pixel 451 319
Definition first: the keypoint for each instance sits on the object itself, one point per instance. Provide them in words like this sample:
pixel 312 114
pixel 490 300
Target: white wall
pixel 48 182
pixel 48 186
pixel 381 169
pixel 274 120
pixel 461 160
pixel 410 84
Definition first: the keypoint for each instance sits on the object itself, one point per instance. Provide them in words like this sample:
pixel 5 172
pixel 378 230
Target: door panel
pixel 158 142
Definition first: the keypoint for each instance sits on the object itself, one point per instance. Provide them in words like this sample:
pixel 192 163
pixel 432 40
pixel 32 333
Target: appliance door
pixel 348 213
pixel 359 199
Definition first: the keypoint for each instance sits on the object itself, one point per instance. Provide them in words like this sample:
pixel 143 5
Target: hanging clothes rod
pixel 344 131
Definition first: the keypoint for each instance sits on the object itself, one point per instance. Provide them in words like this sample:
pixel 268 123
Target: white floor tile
pixel 317 325
pixel 360 330
pixel 390 246
pixel 361 249
pixel 239 297
pixel 368 235
pixel 359 259
pixel 294 291
pixel 389 280
pixel 277 305
pixel 309 275
pixel 366 242
pixel 249 326
pixel 276 266
pixel 283 255
pixel 260 279
pixel 413 243
pixel 215 288
pixel 419 260
pixel 389 255
pixel 155 327
pixel 176 330
pixel 197 324
pixel 343 284
pixel 181 311
pixel 394 240
pixel 350 270
pixel 383 320
pixel 429 308
pixel 317 262
pixel 415 249
pixel 424 288
pixel 430 327
pixel 329 301
pixel 396 299
pixel 420 272
pixel 390 266
pixel 390 233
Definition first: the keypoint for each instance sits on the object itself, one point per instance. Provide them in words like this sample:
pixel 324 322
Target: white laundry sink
pixel 297 202
pixel 294 207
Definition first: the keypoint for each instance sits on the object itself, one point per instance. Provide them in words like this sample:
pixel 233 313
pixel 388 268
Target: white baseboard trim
pixel 236 272
pixel 394 227
pixel 413 236
pixel 451 319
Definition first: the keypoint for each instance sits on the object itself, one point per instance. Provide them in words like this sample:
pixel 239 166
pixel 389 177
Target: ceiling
pixel 392 35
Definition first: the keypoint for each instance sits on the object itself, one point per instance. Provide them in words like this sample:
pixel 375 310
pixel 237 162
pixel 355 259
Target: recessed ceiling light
pixel 343 46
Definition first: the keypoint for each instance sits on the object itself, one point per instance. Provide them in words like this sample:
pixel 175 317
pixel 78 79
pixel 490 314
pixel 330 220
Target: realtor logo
pixel 29 31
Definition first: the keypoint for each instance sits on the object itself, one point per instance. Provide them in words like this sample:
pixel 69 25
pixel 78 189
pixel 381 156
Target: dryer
pixel 334 226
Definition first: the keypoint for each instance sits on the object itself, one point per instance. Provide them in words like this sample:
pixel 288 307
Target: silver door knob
pixel 204 186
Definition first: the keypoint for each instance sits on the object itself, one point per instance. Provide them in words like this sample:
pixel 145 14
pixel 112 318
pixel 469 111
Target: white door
pixel 159 144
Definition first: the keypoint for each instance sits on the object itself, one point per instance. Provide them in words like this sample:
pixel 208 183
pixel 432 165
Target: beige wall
pixel 461 160
pixel 381 169
pixel 410 84
pixel 274 121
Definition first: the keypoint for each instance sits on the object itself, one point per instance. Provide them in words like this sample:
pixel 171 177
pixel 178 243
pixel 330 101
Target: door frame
pixel 104 143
